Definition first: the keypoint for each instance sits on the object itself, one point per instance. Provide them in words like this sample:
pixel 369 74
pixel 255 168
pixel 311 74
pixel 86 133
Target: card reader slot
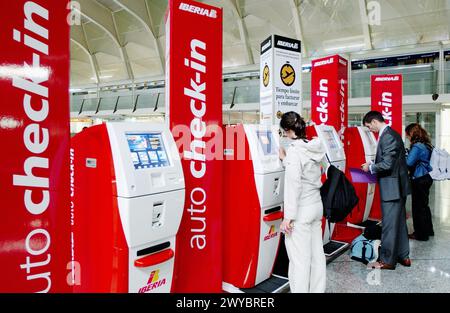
pixel 158 211
pixel 154 249
pixel 272 210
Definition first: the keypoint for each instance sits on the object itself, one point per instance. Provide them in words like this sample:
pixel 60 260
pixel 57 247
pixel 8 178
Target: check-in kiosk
pixel 128 197
pixel 253 207
pixel 361 146
pixel 335 155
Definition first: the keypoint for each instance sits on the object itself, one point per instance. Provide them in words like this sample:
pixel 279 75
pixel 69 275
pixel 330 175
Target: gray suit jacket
pixel 390 166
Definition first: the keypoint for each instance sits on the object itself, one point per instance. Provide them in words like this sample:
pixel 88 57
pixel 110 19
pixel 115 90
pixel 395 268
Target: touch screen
pixel 147 150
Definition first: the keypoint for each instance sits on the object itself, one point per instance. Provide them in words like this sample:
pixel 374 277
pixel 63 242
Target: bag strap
pixel 421 162
pixel 372 252
pixel 363 256
pixel 333 186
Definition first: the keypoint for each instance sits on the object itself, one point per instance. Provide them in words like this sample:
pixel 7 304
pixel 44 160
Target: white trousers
pixel 307 263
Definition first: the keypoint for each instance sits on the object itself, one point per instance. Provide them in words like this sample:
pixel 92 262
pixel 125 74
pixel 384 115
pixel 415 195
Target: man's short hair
pixel 373 115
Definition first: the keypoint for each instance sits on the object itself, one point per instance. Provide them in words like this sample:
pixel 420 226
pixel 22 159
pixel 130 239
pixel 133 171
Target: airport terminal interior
pixel 118 75
pixel 121 105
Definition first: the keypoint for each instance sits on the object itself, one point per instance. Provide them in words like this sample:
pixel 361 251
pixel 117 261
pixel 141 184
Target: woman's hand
pixel 286 227
pixel 282 153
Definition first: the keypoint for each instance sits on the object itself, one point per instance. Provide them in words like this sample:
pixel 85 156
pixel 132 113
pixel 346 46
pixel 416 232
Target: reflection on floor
pixel 430 272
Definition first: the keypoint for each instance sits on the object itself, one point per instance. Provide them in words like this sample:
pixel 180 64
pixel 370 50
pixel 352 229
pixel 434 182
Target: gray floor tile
pixel 429 273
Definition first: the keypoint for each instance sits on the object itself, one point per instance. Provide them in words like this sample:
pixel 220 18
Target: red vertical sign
pixel 34 133
pixel 329 101
pixel 387 98
pixel 329 92
pixel 194 94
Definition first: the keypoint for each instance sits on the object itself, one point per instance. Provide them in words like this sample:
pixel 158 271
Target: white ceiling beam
pixel 103 18
pixel 91 58
pixel 94 57
pixel 158 43
pixel 243 33
pixel 298 25
pixel 124 50
pixel 140 11
pixel 78 33
pixel 448 19
pixel 365 24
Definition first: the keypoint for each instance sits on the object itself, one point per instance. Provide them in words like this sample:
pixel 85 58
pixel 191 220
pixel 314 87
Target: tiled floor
pixel 429 273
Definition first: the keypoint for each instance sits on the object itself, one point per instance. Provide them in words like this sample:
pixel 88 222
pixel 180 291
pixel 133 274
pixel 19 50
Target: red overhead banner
pixel 194 95
pixel 387 98
pixel 34 133
pixel 329 92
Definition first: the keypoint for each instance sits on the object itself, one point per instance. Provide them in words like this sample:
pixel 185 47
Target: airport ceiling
pixel 124 40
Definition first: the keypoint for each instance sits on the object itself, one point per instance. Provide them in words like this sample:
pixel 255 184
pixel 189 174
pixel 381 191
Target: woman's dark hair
pixel 293 121
pixel 417 134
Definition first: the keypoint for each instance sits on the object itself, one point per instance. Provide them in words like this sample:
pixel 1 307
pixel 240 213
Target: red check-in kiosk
pixel 361 147
pixel 335 155
pixel 253 205
pixel 128 197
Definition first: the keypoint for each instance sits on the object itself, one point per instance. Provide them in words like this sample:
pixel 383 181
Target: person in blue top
pixel 418 161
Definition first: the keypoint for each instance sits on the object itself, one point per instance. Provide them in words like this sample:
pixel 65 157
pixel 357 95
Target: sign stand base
pixel 275 284
pixel 333 248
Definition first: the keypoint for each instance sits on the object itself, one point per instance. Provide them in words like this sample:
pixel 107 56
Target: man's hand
pixel 286 227
pixel 365 167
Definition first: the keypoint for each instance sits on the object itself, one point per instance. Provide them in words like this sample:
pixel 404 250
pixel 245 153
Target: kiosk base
pixel 333 248
pixel 275 284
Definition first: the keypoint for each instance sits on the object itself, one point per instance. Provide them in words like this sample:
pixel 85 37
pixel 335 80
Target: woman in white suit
pixel 303 210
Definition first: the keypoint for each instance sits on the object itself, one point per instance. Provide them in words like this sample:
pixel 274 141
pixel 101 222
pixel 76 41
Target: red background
pixel 16 222
pixel 396 88
pixel 334 73
pixel 197 270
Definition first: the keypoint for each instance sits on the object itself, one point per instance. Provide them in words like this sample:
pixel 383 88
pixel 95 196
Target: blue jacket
pixel 419 158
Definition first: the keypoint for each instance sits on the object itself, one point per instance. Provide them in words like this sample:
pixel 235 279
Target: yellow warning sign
pixel 266 76
pixel 287 74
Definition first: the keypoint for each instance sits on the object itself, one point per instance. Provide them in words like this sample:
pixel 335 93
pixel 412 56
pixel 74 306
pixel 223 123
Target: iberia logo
pixel 154 277
pixel 272 233
pixel 153 282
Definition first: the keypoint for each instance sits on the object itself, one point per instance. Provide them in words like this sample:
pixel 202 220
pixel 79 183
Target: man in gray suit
pixel 392 173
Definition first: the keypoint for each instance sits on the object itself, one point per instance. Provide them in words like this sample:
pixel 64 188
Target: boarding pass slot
pixel 153 249
pixel 272 210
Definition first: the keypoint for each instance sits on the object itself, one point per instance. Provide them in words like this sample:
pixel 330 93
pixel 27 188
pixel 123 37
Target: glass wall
pixel 355 119
pixel 126 103
pixel 247 94
pixel 447 73
pixel 417 79
pixel 107 104
pixel 75 104
pixel 306 86
pixel 426 119
pixel 90 105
